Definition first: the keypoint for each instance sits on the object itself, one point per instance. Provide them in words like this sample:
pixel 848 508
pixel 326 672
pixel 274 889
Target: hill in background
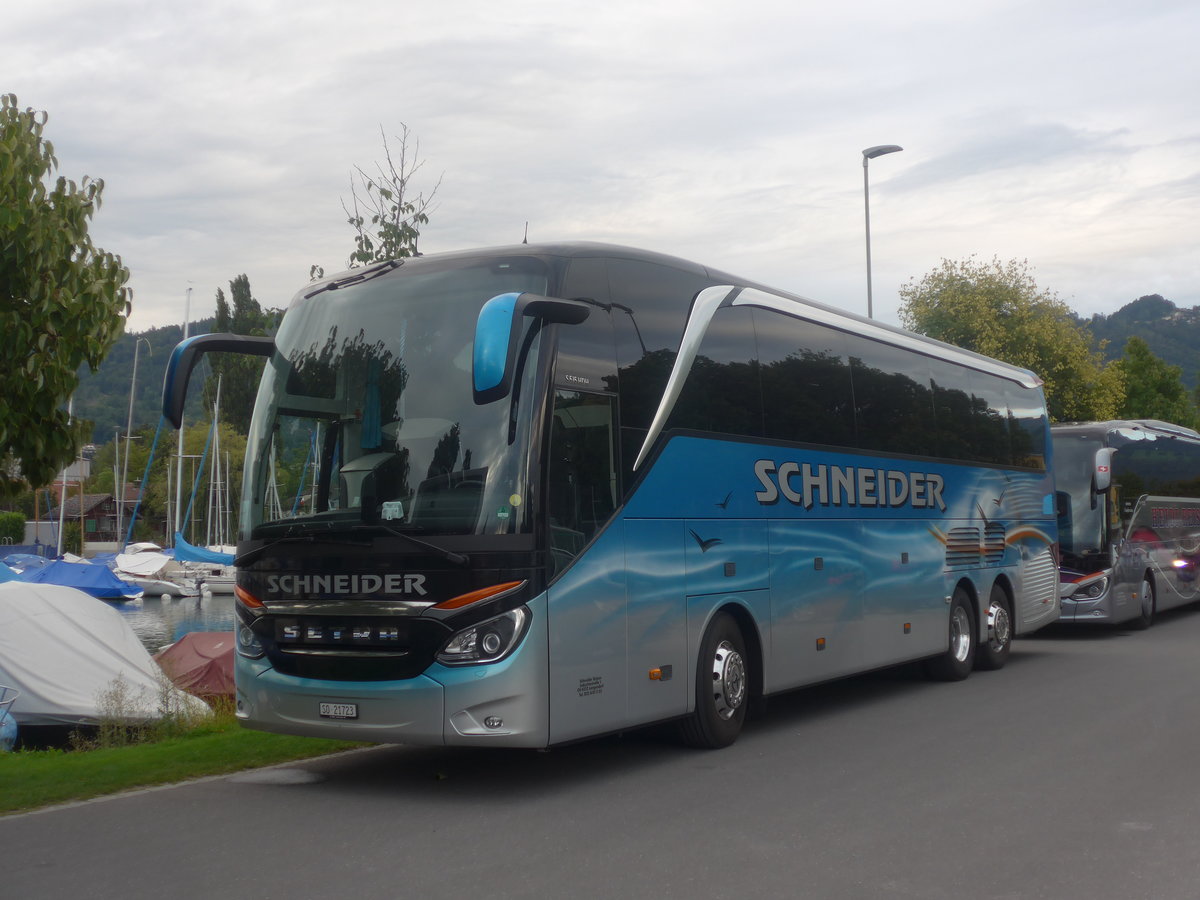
pixel 103 396
pixel 1172 333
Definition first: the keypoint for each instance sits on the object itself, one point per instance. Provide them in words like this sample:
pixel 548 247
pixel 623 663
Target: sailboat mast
pixel 214 479
pixel 230 537
pixel 62 501
pixel 187 311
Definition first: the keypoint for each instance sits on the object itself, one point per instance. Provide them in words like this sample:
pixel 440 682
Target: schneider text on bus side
pixel 806 485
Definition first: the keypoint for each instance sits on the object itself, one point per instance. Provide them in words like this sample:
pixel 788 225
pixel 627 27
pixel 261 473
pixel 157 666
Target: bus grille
pixel 1040 582
pixel 993 543
pixel 350 648
pixel 962 547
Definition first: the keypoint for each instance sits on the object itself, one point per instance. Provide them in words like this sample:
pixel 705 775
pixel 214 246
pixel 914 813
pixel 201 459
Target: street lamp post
pixel 868 154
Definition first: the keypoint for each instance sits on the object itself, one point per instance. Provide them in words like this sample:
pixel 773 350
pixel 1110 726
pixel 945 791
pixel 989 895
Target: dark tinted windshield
pixel 1081 523
pixel 366 413
pixel 1156 464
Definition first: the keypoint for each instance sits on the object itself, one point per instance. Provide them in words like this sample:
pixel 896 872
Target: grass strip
pixel 35 778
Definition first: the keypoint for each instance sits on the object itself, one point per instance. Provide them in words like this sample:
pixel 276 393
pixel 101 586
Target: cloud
pixel 226 134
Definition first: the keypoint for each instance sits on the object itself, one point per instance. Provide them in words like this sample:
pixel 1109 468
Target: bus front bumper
pixel 1086 611
pixel 399 712
pixel 504 704
pixel 1086 598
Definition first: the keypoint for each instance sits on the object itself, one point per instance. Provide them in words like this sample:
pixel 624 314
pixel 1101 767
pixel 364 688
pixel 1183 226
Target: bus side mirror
pixel 1062 505
pixel 497 331
pixel 186 356
pixel 1102 470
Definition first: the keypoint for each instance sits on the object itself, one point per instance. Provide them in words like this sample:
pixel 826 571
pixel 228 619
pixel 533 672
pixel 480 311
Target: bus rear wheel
pixel 993 653
pixel 958 660
pixel 1149 604
pixel 722 687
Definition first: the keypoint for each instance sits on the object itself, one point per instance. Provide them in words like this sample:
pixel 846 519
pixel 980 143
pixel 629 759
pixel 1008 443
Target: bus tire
pixel 956 663
pixel 722 687
pixel 993 653
pixel 1149 605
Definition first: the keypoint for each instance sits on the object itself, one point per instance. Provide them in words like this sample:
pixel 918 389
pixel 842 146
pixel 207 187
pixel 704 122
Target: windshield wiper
pixel 357 277
pixel 251 556
pixel 458 559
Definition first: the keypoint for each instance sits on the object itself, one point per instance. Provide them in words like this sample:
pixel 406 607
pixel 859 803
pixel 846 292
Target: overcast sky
pixel 1063 133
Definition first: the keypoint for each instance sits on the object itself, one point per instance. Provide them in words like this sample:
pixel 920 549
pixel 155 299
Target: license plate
pixel 339 710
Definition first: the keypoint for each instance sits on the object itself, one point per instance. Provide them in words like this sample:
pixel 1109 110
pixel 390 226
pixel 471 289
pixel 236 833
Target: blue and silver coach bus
pixel 1128 519
pixel 523 496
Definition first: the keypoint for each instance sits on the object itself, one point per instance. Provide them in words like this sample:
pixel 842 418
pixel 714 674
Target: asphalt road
pixel 1069 774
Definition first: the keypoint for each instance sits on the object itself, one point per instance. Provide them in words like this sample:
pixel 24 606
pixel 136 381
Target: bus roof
pixel 805 307
pixel 1100 429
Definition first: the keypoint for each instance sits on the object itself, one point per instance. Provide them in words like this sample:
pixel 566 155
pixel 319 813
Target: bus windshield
pixel 1081 524
pixel 365 412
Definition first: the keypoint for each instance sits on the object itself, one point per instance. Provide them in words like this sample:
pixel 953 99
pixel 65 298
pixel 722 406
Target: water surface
pixel 159 622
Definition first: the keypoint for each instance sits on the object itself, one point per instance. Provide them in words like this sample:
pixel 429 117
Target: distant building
pixel 99 515
pixel 41 532
pixel 78 471
pixel 100 532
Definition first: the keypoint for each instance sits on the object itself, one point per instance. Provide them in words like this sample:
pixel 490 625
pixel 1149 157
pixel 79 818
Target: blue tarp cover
pixel 191 553
pixel 26 560
pixel 99 581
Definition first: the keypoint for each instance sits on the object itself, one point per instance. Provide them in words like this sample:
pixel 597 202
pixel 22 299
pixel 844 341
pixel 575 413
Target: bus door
pixel 586 600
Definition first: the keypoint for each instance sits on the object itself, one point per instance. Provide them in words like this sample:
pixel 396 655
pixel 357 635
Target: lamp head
pixel 872 152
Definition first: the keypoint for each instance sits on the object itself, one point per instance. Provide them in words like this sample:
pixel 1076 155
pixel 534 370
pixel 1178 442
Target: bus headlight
pixel 1091 590
pixel 487 642
pixel 248 644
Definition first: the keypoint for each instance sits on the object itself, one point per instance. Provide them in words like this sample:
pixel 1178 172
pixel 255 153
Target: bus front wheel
pixel 993 653
pixel 958 660
pixel 1145 616
pixel 722 687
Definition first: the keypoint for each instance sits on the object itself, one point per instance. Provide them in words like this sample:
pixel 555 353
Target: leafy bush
pixel 72 538
pixel 12 528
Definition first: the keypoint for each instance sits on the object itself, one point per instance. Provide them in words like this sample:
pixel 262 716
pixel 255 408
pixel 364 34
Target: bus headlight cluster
pixel 486 642
pixel 248 644
pixel 1091 590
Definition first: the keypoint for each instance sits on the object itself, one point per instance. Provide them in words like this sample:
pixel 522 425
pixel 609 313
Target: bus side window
pixel 1026 426
pixel 806 389
pixel 893 399
pixel 582 472
pixel 722 393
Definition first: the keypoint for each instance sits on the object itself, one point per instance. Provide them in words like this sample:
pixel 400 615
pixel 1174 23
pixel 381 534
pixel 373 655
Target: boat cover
pixel 201 663
pixel 62 648
pixel 143 547
pixel 25 561
pixel 99 581
pixel 186 552
pixel 143 565
pixel 8 725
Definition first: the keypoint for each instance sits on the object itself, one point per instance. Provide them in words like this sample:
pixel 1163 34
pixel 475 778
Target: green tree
pixel 1154 389
pixel 72 538
pixel 150 486
pixel 62 299
pixel 384 214
pixel 998 310
pixel 233 452
pixel 151 522
pixel 239 375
